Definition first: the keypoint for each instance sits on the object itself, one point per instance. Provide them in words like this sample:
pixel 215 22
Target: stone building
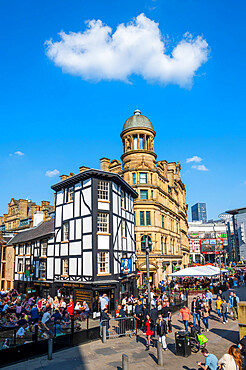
pixel 160 209
pixel 7 256
pixel 20 214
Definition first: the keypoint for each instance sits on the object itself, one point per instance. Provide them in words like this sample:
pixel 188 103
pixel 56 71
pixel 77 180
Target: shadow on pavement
pixel 189 368
pixel 171 347
pixel 230 335
pixel 153 357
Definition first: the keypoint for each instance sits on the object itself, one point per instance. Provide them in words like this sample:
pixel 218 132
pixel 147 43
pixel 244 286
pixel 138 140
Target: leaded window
pixel 103 222
pixel 103 190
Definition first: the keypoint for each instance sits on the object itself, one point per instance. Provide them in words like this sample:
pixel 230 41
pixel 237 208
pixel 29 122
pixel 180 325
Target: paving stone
pixel 105 351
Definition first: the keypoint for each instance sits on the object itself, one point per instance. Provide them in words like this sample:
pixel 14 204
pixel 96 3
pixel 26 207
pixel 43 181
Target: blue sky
pixel 61 120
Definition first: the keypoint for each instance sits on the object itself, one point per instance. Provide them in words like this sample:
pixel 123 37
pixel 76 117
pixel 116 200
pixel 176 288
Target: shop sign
pixel 126 265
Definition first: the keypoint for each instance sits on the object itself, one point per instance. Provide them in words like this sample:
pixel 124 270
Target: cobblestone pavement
pixel 96 355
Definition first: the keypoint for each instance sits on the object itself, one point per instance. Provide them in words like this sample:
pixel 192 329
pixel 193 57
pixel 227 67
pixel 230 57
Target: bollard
pixel 125 362
pixel 50 348
pixel 159 354
pixel 104 336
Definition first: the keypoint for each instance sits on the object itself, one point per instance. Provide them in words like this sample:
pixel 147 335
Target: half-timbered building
pixel 94 236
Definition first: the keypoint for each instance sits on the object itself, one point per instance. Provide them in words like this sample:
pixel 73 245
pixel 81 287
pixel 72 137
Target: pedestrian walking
pixel 154 316
pixel 195 310
pixel 235 301
pixel 149 330
pixel 162 331
pixel 186 316
pixel 205 314
pixel 218 304
pixel 231 360
pixel 224 311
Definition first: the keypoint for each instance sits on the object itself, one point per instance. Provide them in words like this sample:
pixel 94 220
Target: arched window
pixel 135 140
pixel 147 142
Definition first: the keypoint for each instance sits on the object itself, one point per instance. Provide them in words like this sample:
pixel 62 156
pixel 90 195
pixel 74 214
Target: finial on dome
pixel 137 112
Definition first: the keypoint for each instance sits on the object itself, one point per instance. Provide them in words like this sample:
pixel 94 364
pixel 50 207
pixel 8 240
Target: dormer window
pixel 70 194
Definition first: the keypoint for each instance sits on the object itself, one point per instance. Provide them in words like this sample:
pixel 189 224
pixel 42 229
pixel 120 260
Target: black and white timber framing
pixel 75 248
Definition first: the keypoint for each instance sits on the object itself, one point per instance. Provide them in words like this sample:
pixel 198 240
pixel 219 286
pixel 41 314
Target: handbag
pixel 202 339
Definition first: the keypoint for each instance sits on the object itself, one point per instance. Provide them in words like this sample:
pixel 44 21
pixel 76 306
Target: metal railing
pixel 119 326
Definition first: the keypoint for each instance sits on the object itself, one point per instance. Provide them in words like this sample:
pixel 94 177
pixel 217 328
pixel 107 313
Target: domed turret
pixel 137 120
pixel 138 139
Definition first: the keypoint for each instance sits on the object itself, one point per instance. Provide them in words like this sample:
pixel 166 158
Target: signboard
pixel 211 246
pixel 126 265
pixel 83 295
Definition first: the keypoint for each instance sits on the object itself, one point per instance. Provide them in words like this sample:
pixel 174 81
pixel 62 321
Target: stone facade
pixel 7 258
pixel 160 209
pixel 20 214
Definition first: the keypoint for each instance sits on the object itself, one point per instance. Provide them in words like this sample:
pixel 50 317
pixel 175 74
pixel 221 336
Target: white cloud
pixel 200 167
pixel 135 48
pixel 51 173
pixel 195 158
pixel 19 153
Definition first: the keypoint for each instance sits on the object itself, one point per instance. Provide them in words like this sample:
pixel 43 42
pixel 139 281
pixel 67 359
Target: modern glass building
pixel 198 212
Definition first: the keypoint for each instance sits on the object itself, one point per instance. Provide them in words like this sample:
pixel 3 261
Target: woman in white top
pixel 231 360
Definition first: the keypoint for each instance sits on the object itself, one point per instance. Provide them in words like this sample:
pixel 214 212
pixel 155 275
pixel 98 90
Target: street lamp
pixel 146 247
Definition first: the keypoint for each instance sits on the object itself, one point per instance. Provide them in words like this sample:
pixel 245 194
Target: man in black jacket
pixel 105 320
pixel 153 315
pixel 138 314
pixel 196 310
pixel 162 331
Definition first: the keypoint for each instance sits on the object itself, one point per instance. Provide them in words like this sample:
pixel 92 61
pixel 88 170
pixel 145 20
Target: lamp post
pixel 148 245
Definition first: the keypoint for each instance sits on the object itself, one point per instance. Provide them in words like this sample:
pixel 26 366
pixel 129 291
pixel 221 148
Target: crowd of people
pixel 51 316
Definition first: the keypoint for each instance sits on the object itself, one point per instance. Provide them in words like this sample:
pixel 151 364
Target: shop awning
pixel 198 271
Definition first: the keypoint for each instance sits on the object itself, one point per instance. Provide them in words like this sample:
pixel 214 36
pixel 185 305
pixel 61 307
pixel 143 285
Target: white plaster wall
pixel 64 249
pixel 72 266
pixel 103 241
pixel 57 266
pixel 79 266
pixel 50 250
pixel 87 197
pixel 50 268
pixel 71 230
pixel 58 234
pixel 103 206
pixel 76 203
pixel 87 242
pixel 67 211
pixel 78 229
pixel 59 197
pixel 74 248
pixel 56 250
pixel 87 224
pixel 87 263
pixel 115 200
pixel 87 182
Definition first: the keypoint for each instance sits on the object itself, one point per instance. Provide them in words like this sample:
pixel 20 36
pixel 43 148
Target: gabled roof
pixel 44 229
pixel 70 181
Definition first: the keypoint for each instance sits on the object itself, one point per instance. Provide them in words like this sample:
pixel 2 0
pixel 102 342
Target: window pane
pixel 142 223
pixel 103 190
pixel 65 231
pixel 143 194
pixel 162 221
pixel 140 142
pixel 148 218
pixel 143 178
pixel 102 223
pixel 103 262
pixel 70 194
pixel 135 139
pixel 134 178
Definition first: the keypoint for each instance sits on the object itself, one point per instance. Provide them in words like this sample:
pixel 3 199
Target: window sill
pixel 20 255
pixel 28 255
pixel 64 275
pixel 64 241
pixel 103 201
pixel 41 279
pixel 20 272
pixel 42 257
pixel 124 237
pixel 71 201
pixel 103 234
pixel 104 274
